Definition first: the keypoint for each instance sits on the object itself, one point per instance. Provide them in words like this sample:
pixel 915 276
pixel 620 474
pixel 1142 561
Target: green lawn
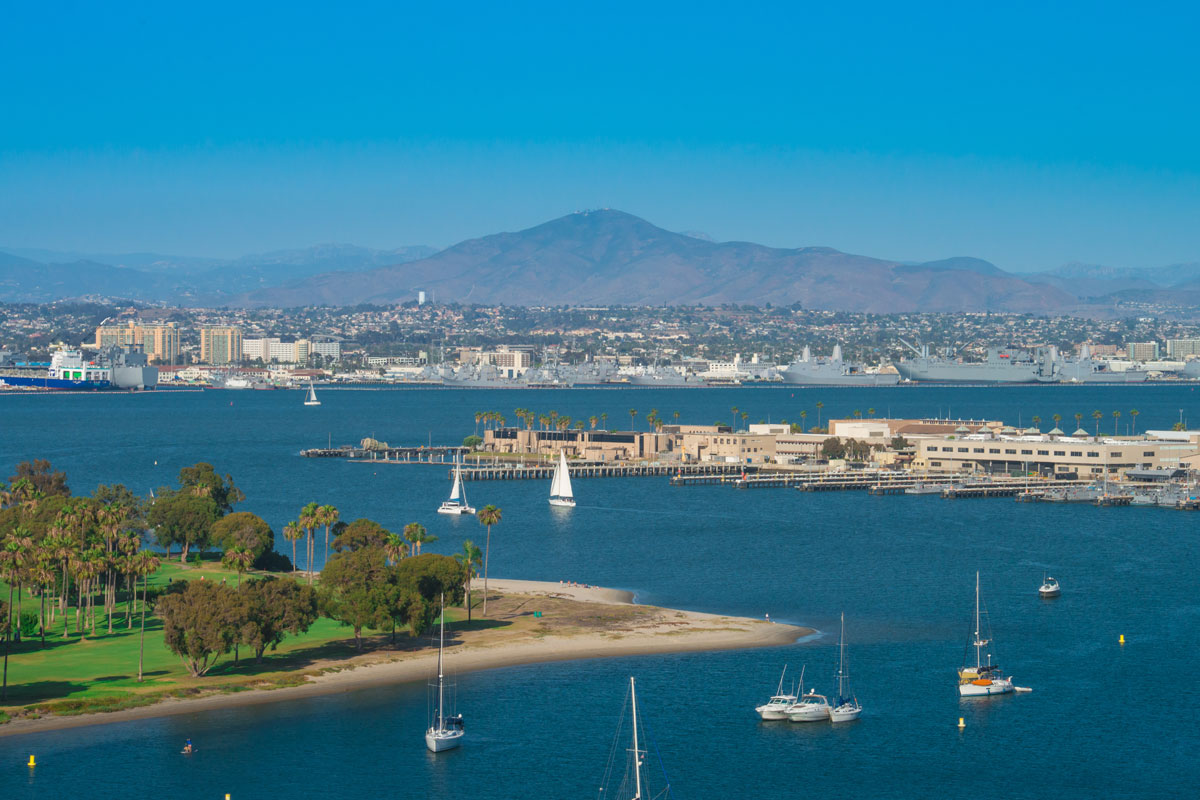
pixel 105 666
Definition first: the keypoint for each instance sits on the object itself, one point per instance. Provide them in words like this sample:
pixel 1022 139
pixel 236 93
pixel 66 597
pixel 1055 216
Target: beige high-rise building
pixel 220 344
pixel 160 342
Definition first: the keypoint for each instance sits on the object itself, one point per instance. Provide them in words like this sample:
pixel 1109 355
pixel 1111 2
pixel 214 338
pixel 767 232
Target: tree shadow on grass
pixel 37 691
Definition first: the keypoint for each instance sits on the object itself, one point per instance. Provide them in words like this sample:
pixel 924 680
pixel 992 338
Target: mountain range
pixel 592 257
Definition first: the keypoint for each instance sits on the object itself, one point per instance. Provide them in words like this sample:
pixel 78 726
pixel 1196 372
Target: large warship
pixel 1001 366
pixel 834 371
pixel 1086 369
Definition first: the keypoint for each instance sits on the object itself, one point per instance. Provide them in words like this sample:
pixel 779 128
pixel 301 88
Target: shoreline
pixel 644 630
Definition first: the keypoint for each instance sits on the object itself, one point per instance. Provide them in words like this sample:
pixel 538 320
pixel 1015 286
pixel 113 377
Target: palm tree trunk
pixel 43 616
pixel 293 554
pixel 7 639
pixel 142 637
pixel 486 550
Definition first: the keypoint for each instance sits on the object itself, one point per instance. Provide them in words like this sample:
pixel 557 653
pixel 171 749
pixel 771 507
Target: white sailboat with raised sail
pixel 561 493
pixel 983 679
pixel 846 707
pixel 457 504
pixel 445 732
pixel 311 398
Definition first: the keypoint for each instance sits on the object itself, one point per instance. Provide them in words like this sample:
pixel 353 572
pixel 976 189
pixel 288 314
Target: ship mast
pixel 637 756
pixel 441 644
pixel 978 644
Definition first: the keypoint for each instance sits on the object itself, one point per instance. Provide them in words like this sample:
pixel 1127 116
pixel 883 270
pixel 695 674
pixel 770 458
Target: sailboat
pixel 982 679
pixel 777 706
pixel 311 398
pixel 845 707
pixel 445 732
pixel 457 504
pixel 560 487
pixel 632 782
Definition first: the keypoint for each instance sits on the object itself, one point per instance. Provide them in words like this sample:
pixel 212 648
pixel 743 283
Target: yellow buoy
pixel 32 763
pixel 961 724
pixel 1122 640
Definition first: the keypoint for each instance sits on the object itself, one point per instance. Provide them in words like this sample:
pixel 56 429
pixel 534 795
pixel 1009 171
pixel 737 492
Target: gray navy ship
pixel 1006 365
pixel 833 371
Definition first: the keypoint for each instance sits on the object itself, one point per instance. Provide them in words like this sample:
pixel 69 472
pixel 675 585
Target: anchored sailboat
pixel 632 782
pixel 560 487
pixel 846 707
pixel 311 398
pixel 445 732
pixel 982 679
pixel 457 504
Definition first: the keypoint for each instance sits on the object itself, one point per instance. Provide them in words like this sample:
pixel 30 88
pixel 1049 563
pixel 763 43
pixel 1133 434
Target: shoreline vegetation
pixel 529 622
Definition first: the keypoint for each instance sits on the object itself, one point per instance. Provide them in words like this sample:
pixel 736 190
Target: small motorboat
pixel 1049 588
pixel 812 707
pixel 776 708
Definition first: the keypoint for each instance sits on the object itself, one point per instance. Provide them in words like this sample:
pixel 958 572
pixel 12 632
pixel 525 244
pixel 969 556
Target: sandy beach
pixel 575 622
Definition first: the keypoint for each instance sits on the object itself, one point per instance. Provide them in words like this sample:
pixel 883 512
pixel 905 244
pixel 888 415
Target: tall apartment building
pixel 1142 351
pixel 258 349
pixel 331 350
pixel 220 344
pixel 159 342
pixel 1180 349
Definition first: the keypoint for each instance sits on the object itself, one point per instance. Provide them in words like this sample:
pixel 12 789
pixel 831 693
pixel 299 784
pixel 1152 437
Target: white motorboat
pixel 446 732
pixel 846 707
pixel 984 678
pixel 811 707
pixel 457 504
pixel 311 398
pixel 1049 587
pixel 776 708
pixel 561 494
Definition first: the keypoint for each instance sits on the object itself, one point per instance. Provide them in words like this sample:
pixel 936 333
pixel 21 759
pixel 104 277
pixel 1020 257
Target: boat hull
pixel 447 740
pixel 455 510
pixel 772 714
pixel 975 690
pixel 814 714
pixel 562 502
pixel 844 713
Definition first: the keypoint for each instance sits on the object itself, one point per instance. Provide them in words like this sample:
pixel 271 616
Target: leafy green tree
pixel 472 442
pixel 356 590
pixel 272 608
pixel 199 623
pixel 183 518
pixel 203 480
pixel 245 530
pixel 833 448
pixel 359 534
pixel 41 477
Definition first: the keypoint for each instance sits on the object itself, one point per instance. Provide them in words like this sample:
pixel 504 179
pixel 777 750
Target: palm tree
pixel 478 419
pixel 239 559
pixel 489 515
pixel 1078 421
pixel 871 412
pixel 8 569
pixel 734 410
pixel 147 565
pixel 470 558
pixel 820 405
pixel 803 417
pixel 395 548
pixel 1037 421
pixel 632 417
pixel 745 416
pixel 675 414
pixel 1057 420
pixel 309 521
pixel 327 515
pixel 857 414
pixel 604 420
pixel 1133 412
pixel 1096 415
pixel 1116 423
pixel 292 532
pixel 593 420
pixel 416 535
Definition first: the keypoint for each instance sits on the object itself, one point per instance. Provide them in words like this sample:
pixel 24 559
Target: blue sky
pixel 1028 135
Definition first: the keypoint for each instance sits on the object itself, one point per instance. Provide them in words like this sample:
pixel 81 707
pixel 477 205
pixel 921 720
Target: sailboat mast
pixel 842 659
pixel 637 756
pixel 441 644
pixel 978 662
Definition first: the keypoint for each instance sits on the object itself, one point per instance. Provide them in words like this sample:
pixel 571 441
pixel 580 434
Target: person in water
pixel 187 748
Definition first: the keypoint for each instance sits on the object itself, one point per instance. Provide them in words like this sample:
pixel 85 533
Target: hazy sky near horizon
pixel 1030 135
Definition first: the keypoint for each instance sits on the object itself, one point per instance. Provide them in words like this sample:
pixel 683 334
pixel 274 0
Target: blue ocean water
pixel 1103 720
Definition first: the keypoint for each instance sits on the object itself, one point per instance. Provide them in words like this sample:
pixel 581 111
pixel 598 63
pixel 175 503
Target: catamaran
pixel 457 504
pixel 311 398
pixel 982 679
pixel 777 706
pixel 446 732
pixel 560 486
pixel 846 707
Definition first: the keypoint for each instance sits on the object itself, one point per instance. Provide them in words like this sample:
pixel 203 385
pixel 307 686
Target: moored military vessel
pixel 834 371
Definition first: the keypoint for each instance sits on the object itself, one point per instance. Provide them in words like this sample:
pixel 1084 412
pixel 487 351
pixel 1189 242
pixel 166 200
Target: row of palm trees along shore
pixel 76 558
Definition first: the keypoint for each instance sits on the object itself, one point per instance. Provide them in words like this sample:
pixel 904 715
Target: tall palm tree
pixel 745 416
pixel 632 426
pixel 1078 420
pixel 1133 413
pixel 675 414
pixel 147 565
pixel 1116 423
pixel 1037 421
pixel 416 534
pixel 604 420
pixel 820 405
pixel 803 417
pixel 478 419
pixel 734 410
pixel 395 548
pixel 293 532
pixel 871 412
pixel 592 420
pixel 327 515
pixel 239 559
pixel 470 558
pixel 489 515
pixel 309 521
pixel 8 569
pixel 1057 420
pixel 1097 415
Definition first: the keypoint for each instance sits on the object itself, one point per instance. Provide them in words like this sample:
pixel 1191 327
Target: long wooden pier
pixel 593 469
